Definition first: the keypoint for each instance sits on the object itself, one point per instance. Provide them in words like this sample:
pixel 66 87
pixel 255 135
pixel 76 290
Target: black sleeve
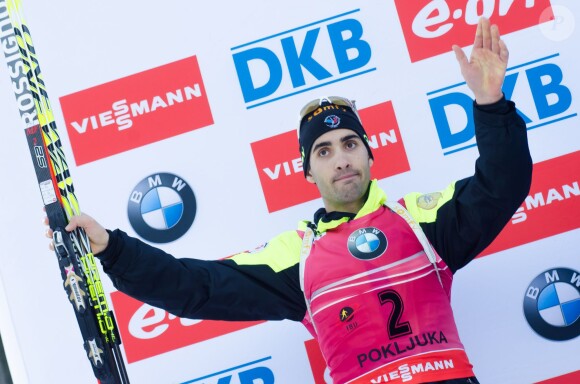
pixel 201 289
pixel 481 205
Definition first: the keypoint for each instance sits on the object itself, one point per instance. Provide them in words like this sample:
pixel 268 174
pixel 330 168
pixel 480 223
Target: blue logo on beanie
pixel 332 121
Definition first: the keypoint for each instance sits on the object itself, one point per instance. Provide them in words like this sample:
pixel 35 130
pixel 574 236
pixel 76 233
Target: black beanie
pixel 324 119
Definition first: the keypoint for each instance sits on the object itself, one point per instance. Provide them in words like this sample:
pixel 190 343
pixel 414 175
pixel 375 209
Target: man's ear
pixel 310 178
pixel 371 162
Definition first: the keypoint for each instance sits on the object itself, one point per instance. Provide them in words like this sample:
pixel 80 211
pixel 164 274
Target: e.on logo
pixel 431 27
pixel 147 331
pixel 136 110
pixel 280 167
pixel 551 207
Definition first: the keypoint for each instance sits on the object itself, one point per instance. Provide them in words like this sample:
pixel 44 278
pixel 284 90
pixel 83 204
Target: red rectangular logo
pixel 432 27
pixel 317 363
pixel 280 167
pixel 147 331
pixel 552 206
pixel 572 377
pixel 136 110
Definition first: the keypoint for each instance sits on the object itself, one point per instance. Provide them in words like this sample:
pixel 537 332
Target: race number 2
pixel 395 327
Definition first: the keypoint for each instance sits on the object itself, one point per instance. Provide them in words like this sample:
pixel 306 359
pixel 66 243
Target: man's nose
pixel 342 160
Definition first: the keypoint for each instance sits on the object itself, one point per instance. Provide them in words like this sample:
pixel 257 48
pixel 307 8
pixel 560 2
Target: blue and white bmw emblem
pixel 367 243
pixel 162 208
pixel 552 304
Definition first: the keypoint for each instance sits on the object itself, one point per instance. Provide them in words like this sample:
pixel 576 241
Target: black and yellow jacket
pixel 265 285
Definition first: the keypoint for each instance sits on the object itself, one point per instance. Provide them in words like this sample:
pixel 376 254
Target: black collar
pixel 321 214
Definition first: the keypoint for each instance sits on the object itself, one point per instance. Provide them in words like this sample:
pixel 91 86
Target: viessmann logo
pixel 147 331
pixel 280 167
pixel 431 27
pixel 554 198
pixel 136 110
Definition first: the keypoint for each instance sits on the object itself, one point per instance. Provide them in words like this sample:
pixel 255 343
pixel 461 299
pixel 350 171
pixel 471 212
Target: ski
pixel 76 261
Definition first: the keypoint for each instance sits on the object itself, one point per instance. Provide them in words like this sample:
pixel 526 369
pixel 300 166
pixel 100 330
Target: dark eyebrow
pixel 342 140
pixel 349 137
pixel 320 145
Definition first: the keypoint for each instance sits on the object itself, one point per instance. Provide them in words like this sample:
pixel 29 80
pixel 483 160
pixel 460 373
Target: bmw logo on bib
pixel 367 243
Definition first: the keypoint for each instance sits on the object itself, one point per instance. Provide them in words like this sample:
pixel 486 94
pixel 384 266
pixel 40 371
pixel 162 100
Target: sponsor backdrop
pixel 179 121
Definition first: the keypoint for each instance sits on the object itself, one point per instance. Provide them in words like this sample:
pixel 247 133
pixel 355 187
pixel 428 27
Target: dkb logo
pixel 273 67
pixel 541 95
pixel 250 373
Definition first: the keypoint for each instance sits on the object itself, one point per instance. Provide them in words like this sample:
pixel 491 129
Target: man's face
pixel 340 168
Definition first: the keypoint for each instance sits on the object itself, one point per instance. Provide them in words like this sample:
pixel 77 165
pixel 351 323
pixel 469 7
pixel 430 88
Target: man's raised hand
pixel 485 69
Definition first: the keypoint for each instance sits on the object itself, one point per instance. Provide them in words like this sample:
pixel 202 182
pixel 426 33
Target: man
pixel 389 266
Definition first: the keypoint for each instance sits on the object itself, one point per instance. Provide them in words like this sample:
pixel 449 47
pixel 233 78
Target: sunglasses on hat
pixel 312 105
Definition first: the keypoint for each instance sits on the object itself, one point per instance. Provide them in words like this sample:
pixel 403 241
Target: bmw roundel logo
pixel 367 243
pixel 162 208
pixel 552 304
